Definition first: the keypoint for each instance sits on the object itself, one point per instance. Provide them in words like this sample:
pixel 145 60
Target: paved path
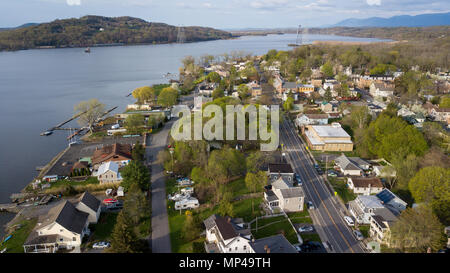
pixel 160 222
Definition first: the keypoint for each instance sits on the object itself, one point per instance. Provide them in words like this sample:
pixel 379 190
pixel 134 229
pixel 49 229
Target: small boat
pixel 87 50
pixel 7 238
pixel 46 133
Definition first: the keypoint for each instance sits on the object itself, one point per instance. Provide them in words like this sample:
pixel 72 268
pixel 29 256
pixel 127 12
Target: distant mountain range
pixel 422 20
pixel 21 26
pixel 98 30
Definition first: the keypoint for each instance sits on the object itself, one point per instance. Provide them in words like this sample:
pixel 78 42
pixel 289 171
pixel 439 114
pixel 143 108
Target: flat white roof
pixel 312 139
pixel 330 131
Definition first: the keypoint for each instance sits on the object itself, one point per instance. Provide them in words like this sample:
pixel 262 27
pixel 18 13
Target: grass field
pixel 300 217
pixel 15 244
pixel 273 227
pixel 102 230
pixel 340 186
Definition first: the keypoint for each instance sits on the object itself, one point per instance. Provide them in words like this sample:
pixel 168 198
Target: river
pixel 39 88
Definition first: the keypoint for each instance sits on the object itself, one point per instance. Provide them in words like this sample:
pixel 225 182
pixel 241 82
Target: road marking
pixel 315 189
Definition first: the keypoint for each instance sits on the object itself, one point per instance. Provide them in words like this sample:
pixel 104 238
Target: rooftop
pixel 273 244
pixel 333 130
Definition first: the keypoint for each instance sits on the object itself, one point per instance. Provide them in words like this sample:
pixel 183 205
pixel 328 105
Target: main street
pixel 328 212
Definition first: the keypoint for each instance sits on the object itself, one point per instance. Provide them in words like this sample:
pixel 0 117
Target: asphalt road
pixel 160 221
pixel 328 212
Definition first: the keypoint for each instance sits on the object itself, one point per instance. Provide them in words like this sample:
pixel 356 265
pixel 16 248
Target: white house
pixel 363 206
pixel 227 235
pixel 187 203
pixel 91 205
pixel 347 167
pixel 381 90
pixel 380 225
pixel 63 227
pixel 284 196
pixel 108 172
pixel 364 185
pixel 309 119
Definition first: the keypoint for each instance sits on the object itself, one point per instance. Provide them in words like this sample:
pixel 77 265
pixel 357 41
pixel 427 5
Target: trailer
pixel 188 203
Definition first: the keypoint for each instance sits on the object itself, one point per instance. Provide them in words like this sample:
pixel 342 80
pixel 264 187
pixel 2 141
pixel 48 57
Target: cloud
pixel 73 2
pixel 373 2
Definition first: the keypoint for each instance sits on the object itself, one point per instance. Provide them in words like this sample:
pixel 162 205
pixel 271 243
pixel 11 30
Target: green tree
pixel 123 237
pixel 327 70
pixel 218 93
pixel 135 172
pixel 168 97
pixel 214 77
pixel 431 185
pixel 90 111
pixel 138 152
pixel 136 205
pixel 244 91
pixel 256 160
pixel 191 228
pixel 288 105
pixel 144 94
pixel 416 230
pixel 134 123
pixel 327 96
pixel 445 102
pixel 255 182
pixel 226 208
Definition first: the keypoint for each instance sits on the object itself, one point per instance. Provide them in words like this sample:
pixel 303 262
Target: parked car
pixel 349 221
pixel 328 245
pixel 101 245
pixel 333 174
pixel 306 229
pixel 358 235
pixel 299 249
pixel 310 205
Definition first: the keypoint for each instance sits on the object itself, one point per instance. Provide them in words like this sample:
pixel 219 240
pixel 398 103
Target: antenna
pixel 299 41
pixel 181 37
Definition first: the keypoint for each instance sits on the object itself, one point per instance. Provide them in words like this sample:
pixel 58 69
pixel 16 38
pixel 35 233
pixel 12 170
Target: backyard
pixel 15 244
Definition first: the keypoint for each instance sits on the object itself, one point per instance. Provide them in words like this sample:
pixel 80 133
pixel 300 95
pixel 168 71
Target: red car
pixel 110 201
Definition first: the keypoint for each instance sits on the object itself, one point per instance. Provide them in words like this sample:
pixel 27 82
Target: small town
pixel 362 131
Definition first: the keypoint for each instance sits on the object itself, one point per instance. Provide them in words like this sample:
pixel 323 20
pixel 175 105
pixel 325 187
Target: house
pixel 305 88
pixel 275 170
pixel 119 153
pixel 273 244
pixel 91 205
pixel 284 196
pixel 392 201
pixel 327 137
pixel 441 114
pixel 347 167
pixel 327 107
pixel 361 163
pixel 309 119
pixel 381 90
pixel 50 178
pixel 363 206
pixel 108 172
pixel 364 185
pixel 380 224
pixel 226 235
pixel 63 227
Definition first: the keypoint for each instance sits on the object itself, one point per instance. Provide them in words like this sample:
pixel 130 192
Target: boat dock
pixel 10 208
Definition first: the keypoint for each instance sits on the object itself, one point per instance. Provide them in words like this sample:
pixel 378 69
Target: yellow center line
pixel 315 189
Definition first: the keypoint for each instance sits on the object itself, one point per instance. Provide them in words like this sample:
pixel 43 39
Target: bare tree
pixel 90 111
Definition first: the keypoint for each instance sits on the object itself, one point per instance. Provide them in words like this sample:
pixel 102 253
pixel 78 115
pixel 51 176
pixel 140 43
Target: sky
pixel 222 14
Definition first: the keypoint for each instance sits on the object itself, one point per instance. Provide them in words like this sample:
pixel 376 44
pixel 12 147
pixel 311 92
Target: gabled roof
pixel 364 182
pixel 110 152
pixel 90 201
pixel 345 164
pixel 280 168
pixel 292 192
pixel 68 217
pixel 280 183
pixel 108 166
pixel 227 226
pixel 274 244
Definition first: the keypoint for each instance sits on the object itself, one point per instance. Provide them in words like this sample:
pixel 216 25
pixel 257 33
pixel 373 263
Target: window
pixel 245 247
pixel 235 248
pixel 61 239
pixel 74 238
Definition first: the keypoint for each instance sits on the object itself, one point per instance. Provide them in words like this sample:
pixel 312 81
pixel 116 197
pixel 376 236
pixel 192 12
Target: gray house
pixel 275 170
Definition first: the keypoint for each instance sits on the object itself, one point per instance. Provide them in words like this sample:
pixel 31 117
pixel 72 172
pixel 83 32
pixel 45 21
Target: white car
pixel 101 245
pixel 306 229
pixel 349 221
pixel 310 205
pixel 358 235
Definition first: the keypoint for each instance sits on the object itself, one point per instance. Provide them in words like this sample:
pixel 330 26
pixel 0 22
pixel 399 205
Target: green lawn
pixel 64 182
pixel 102 230
pixel 238 187
pixel 15 244
pixel 300 217
pixel 364 230
pixel 310 237
pixel 340 186
pixel 274 229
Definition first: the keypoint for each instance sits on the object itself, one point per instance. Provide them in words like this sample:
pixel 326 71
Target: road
pixel 328 212
pixel 160 240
